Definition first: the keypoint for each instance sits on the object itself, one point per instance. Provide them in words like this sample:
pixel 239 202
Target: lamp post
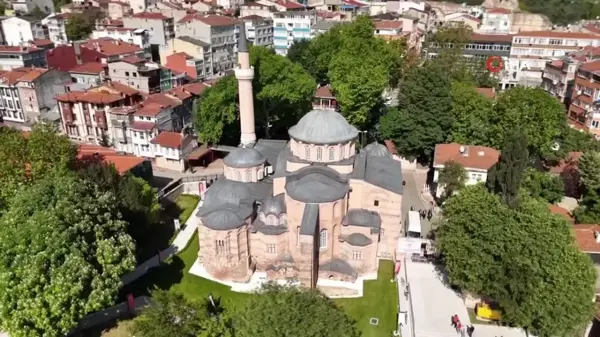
pixel 363 138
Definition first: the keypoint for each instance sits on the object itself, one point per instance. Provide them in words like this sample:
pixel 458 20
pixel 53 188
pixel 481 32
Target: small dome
pixel 222 219
pixel 358 239
pixel 316 184
pixel 244 158
pixel 273 205
pixel 226 192
pixel 323 127
pixel 377 150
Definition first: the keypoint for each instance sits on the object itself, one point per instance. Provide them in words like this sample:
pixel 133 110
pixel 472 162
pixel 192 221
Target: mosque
pixel 305 209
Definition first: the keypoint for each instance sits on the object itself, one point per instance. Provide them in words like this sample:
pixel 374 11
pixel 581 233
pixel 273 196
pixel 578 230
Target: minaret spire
pixel 244 74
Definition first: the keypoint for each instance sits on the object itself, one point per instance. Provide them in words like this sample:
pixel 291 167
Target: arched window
pixel 323 240
pixel 248 175
pixel 331 154
pixel 307 152
pixel 238 175
pixel 349 150
pixel 260 173
pixel 319 153
pixel 298 236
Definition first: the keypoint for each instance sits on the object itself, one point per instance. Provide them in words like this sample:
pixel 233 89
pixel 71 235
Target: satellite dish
pixel 555 147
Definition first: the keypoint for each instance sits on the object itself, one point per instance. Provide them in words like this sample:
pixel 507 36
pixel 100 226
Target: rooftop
pixel 111 47
pixel 89 68
pixel 474 157
pixel 194 41
pixel 499 10
pixel 324 92
pixel 210 19
pixel 123 163
pixel 169 139
pixel 492 37
pixel 23 74
pixel 388 24
pixel 586 239
pixel 323 127
pixel 18 49
pixel 149 109
pixel 289 4
pixel 150 16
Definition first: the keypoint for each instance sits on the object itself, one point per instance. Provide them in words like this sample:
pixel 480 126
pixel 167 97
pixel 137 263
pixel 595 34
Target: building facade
pixel 20 31
pixel 137 73
pixel 12 57
pixel 197 60
pixel 162 28
pixel 137 36
pixel 291 26
pixel 57 24
pixel 27 6
pixel 259 30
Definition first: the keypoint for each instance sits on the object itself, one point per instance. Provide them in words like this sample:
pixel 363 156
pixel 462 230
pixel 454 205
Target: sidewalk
pixel 181 240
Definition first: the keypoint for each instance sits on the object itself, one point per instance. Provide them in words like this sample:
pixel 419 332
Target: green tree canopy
pixel 483 241
pixel 79 27
pixel 471 112
pixel 589 175
pixel 453 177
pixel 218 111
pixel 64 250
pixel 543 185
pixel 290 312
pixel 506 177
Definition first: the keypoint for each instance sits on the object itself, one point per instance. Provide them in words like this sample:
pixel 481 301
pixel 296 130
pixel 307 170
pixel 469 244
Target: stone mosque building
pixel 306 209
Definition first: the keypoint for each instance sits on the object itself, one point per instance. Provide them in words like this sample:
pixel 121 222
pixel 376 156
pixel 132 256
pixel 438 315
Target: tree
pixel 171 314
pixel 64 250
pixel 217 111
pixel 471 112
pixel 38 13
pixel 104 140
pixel 543 185
pixel 453 177
pixel 507 175
pixel 482 242
pixel 517 107
pixel 424 114
pixel 281 311
pixel 79 27
pixel 589 170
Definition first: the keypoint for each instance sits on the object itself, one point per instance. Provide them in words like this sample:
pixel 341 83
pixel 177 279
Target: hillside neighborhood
pixel 281 168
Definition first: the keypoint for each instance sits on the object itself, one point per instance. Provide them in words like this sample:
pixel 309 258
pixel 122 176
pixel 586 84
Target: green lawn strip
pixel 380 300
pixel 186 204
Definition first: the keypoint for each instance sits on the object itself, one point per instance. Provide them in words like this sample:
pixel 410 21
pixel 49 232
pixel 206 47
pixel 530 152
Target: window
pixel 319 154
pixel 307 152
pixel 134 74
pixel 298 236
pixel 220 246
pixel 271 248
pixel 323 240
pixel 595 124
pixel 10 104
pixel 586 90
pixel 376 203
pixel 248 175
pixel 18 105
pixel 356 255
pixel 331 154
pixel 556 41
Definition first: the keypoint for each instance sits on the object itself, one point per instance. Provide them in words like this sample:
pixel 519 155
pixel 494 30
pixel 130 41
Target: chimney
pixel 464 150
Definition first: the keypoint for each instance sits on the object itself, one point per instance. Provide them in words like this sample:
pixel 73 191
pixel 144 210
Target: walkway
pixel 181 240
pixel 415 180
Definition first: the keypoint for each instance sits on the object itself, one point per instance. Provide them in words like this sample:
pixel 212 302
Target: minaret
pixel 244 74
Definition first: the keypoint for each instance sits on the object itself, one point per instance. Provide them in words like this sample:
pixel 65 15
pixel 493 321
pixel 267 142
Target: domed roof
pixel 316 184
pixel 273 205
pixel 323 127
pixel 222 219
pixel 244 158
pixel 226 192
pixel 377 150
pixel 358 239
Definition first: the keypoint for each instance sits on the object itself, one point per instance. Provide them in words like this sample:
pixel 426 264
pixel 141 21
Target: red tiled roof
pixel 95 97
pixel 556 34
pixel 168 139
pixel 477 157
pixel 209 19
pixel 585 238
pixel 180 93
pixel 254 4
pixel 18 49
pixel 89 68
pixel 571 161
pixel 195 88
pixel 150 16
pixel 252 17
pixel 123 163
pixel 111 47
pixel 391 146
pixel 163 99
pixel 124 89
pixel 590 66
pixel 324 92
pixel 555 209
pixel 289 4
pixel 142 126
pixel 149 109
pixel 592 28
pixel 499 11
pixel 388 24
pixel 23 74
pixel 33 74
pixel 487 92
pixel 132 59
pixel 42 42
pixel 62 16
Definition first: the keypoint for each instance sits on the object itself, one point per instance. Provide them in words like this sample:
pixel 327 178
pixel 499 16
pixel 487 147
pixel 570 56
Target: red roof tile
pixel 491 37
pixel 95 97
pixel 123 163
pixel 42 42
pixel 590 66
pixel 499 11
pixel 124 89
pixel 487 92
pixel 391 146
pixel 150 16
pixel 586 238
pixel 89 68
pixel 555 209
pixel 23 74
pixel 149 109
pixel 289 4
pixel 163 99
pixel 209 19
pixel 111 47
pixel 571 161
pixel 324 92
pixel 132 59
pixel 168 139
pixel 18 49
pixel 195 88
pixel 477 157
pixel 142 126
pixel 592 28
pixel 253 17
pixel 388 24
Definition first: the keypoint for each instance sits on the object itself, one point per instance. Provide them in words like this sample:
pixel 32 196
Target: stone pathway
pixel 415 180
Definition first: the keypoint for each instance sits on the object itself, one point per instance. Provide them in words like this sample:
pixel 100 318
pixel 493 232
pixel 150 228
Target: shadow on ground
pixel 164 277
pixel 160 182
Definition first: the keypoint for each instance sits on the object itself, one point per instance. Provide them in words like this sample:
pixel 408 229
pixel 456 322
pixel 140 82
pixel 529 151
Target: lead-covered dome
pixel 244 158
pixel 323 127
pixel 273 205
pixel 226 192
pixel 377 150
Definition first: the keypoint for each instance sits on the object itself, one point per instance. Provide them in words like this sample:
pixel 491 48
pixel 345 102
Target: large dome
pixel 323 127
pixel 226 192
pixel 244 158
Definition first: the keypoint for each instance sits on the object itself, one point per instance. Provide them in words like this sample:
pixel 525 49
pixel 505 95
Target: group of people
pixel 423 213
pixel 462 329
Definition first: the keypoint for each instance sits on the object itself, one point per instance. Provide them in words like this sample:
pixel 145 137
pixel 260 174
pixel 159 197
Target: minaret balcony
pixel 244 74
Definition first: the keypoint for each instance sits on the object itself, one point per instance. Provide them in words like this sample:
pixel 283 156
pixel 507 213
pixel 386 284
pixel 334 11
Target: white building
pixel 137 36
pixel 21 30
pixel 57 24
pixel 404 6
pixel 291 26
pixel 138 6
pixel 259 30
pixel 496 20
pixel 27 6
pixel 476 160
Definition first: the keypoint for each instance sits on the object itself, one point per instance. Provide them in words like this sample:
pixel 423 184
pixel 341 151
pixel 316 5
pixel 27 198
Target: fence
pixel 185 185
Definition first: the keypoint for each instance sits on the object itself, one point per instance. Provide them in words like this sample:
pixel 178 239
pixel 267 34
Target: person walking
pixel 403 182
pixel 454 320
pixel 458 326
pixel 429 215
pixel 412 208
pixel 470 331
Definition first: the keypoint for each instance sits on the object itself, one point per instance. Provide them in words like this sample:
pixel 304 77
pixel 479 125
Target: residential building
pixel 147 121
pixel 103 50
pixel 171 149
pixel 90 74
pixel 28 94
pixel 460 19
pixel 139 167
pixel 170 9
pixel 324 99
pixel 220 31
pixel 254 8
pixel 118 9
pixel 27 6
pixel 496 21
pixel 196 49
pixel 259 30
pixel 324 26
pixel 559 75
pixel 84 113
pixel 584 112
pixel 139 6
pixel 20 30
pixel 162 28
pixel 137 36
pixel 229 4
pixel 108 23
pixel 405 6
pixel 476 160
pixel 587 238
pixel 283 5
pixel 12 57
pixel 184 63
pixel 136 73
pixel 43 44
pixel 389 29
pixel 291 26
pixel 57 24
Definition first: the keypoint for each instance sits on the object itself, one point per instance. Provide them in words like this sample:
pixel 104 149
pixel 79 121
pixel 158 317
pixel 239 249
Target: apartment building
pixel 195 48
pixel 57 24
pixel 89 75
pixel 136 73
pixel 584 111
pixel 405 6
pixel 137 36
pixel 496 21
pixel 27 94
pixel 291 26
pixel 283 5
pixel 162 28
pixel 559 75
pixel 221 32
pixel 20 30
pixel 171 150
pixel 254 8
pixel 139 6
pixel 12 57
pixel 84 113
pixel 532 50
pixel 27 6
pixel 104 50
pixel 259 30
pixel 184 63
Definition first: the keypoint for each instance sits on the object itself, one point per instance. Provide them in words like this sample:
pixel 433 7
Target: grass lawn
pixel 380 300
pixel 186 203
